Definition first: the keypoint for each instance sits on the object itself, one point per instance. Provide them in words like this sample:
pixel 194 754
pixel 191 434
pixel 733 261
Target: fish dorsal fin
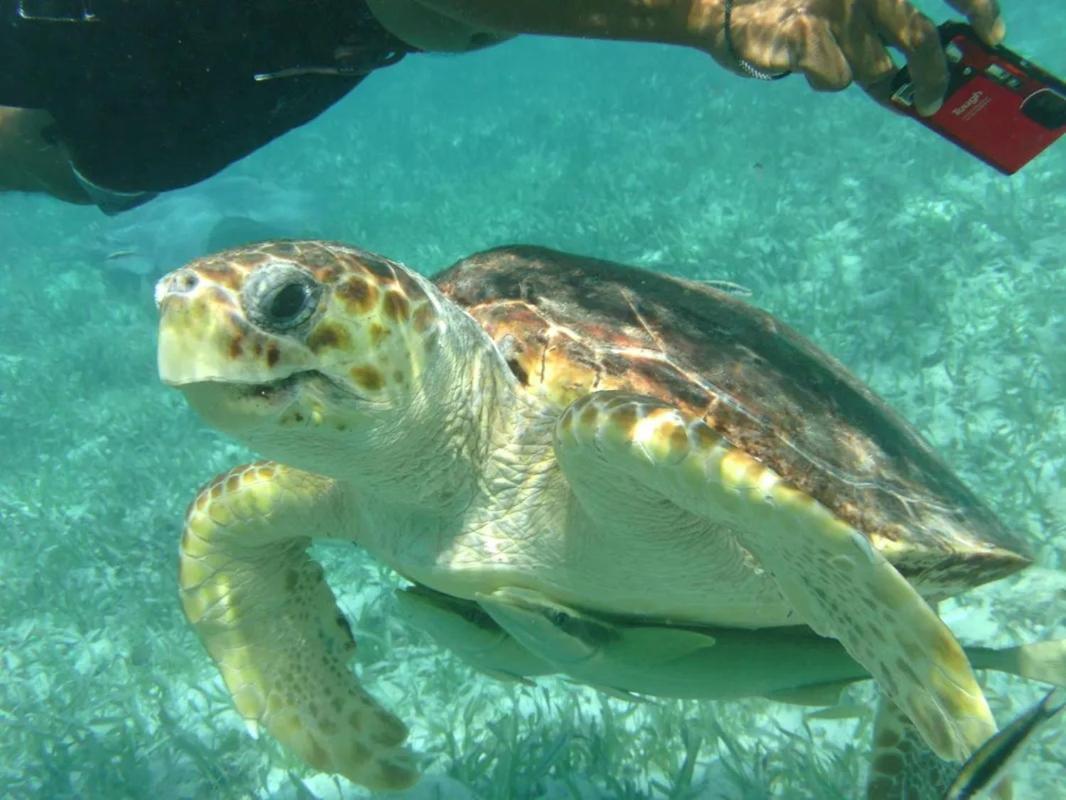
pixel 819 694
pixel 839 712
pixel 660 645
pixel 504 676
pixel 617 694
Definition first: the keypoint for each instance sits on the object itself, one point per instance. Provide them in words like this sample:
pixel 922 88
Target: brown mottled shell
pixel 568 325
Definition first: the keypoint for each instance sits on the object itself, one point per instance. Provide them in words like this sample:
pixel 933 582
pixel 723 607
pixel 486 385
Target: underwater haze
pixel 938 281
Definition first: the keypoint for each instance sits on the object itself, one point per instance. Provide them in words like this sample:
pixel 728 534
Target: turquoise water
pixel 938 281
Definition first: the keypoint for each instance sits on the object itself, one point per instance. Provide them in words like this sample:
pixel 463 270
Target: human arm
pixel 29 162
pixel 832 42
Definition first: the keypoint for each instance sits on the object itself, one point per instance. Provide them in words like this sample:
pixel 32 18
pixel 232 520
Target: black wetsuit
pixel 150 95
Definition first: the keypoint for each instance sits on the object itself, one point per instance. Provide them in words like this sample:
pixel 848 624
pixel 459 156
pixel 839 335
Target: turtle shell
pixel 568 325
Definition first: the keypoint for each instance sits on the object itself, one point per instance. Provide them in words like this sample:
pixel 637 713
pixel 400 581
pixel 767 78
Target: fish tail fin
pixel 1039 661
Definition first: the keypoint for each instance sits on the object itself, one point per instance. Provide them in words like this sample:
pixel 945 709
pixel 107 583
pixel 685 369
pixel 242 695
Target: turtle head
pixel 293 346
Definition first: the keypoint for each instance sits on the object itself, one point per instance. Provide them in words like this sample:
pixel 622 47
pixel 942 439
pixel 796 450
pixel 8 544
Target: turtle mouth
pixel 250 408
pixel 282 388
pixel 270 390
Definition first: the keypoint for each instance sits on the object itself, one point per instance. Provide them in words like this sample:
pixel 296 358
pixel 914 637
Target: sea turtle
pixel 612 439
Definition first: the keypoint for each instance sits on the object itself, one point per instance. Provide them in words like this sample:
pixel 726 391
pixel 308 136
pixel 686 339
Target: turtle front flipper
pixel 264 612
pixel 828 572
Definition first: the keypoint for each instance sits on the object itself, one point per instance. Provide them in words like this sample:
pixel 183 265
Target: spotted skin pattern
pixel 837 582
pixel 266 616
pixel 375 319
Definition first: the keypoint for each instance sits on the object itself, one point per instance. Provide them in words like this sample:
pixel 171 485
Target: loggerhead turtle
pixel 612 439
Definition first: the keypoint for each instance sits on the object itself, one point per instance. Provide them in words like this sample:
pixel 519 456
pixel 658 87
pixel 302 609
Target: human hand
pixel 835 42
pixel 30 162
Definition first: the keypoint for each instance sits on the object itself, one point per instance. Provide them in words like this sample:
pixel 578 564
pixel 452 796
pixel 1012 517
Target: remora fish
pixel 469 632
pixel 713 663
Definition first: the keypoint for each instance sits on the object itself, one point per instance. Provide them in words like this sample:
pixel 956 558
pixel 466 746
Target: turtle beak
pixel 189 337
pixel 204 337
pixel 181 361
pixel 192 346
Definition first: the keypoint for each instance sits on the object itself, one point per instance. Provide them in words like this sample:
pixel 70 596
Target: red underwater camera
pixel 999 106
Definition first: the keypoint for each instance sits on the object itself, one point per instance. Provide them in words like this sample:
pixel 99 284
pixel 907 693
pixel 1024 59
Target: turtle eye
pixel 287 304
pixel 280 297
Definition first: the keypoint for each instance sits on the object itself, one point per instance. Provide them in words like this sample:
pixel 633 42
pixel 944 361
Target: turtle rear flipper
pixel 902 765
pixel 837 583
pixel 269 620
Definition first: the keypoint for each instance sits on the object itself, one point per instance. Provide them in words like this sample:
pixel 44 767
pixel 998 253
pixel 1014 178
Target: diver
pixel 109 102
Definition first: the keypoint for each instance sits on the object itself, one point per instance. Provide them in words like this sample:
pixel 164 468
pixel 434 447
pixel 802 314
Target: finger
pixel 816 53
pixel 984 16
pixel 801 42
pixel 758 42
pixel 882 89
pixel 904 27
pixel 871 63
